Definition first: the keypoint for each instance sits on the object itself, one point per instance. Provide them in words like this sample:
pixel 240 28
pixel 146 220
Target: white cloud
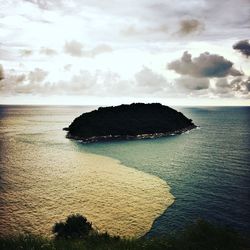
pixel 73 48
pixel 149 81
pixel 38 75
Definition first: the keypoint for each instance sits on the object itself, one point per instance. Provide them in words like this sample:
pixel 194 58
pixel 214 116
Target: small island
pixel 134 121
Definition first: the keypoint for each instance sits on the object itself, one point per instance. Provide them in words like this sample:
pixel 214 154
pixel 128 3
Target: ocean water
pixel 207 169
pixel 45 177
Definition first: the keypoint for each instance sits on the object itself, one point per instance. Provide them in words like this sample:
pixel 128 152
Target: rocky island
pixel 134 121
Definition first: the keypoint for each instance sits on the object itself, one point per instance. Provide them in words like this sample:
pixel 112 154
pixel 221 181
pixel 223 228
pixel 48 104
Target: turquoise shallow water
pixel 208 169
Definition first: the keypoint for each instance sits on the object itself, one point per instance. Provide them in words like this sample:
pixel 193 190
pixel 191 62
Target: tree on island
pixel 134 121
pixel 76 226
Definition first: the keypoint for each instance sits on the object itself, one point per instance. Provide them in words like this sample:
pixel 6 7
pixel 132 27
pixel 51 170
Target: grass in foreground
pixel 199 236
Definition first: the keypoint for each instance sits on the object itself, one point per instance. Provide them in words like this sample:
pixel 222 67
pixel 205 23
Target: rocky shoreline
pixel 108 138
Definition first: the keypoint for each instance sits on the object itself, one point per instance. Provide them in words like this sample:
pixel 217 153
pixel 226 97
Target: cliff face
pixel 137 120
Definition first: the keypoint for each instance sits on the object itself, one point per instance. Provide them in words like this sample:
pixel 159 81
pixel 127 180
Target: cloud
pixel 145 83
pixel 34 82
pixel 191 83
pixel 226 87
pixel 47 51
pixel 67 67
pixel 15 83
pixel 238 86
pixel 241 85
pixel 222 87
pixel 44 4
pixel 1 72
pixel 157 20
pixel 190 26
pixel 81 83
pixel 75 48
pixel 103 48
pixel 205 65
pixel 12 84
pixel 26 52
pixel 98 83
pixel 6 54
pixel 212 14
pixel 149 81
pixel 132 30
pixel 37 75
pixel 243 47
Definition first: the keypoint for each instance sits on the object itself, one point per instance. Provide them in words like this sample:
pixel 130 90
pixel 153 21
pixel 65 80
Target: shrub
pixel 76 226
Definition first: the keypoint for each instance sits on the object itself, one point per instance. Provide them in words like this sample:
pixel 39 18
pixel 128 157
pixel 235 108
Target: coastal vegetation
pixel 76 226
pixel 135 121
pixel 78 234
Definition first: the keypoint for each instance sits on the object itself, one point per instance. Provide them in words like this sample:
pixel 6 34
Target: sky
pixel 95 52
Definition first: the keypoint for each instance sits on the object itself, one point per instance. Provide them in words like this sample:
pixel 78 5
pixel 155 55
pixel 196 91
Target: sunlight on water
pixel 43 183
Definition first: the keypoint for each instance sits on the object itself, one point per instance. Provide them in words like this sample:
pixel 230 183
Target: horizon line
pixel 95 105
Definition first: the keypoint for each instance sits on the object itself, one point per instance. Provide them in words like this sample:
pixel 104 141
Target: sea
pixel 129 188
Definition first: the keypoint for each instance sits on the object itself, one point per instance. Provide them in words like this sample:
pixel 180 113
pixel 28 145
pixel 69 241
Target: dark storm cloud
pixel 243 47
pixel 205 65
pixel 190 26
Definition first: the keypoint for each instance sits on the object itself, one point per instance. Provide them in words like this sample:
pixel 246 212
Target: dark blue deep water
pixel 208 169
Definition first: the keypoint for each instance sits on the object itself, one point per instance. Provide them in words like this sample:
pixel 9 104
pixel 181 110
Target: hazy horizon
pixel 97 105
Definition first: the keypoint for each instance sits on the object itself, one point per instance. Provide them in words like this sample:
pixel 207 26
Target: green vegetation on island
pixel 135 121
pixel 76 233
